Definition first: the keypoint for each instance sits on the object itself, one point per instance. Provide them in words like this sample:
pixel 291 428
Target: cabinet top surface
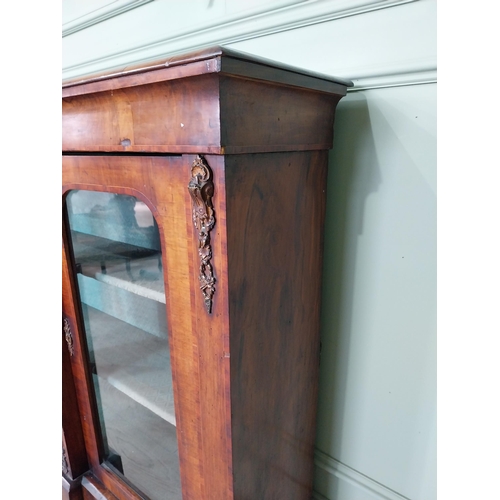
pixel 210 60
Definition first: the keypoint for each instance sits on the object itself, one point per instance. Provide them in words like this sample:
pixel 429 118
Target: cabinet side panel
pixel 262 117
pixel 275 214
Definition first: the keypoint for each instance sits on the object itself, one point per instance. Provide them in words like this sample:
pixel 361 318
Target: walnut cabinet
pixel 193 210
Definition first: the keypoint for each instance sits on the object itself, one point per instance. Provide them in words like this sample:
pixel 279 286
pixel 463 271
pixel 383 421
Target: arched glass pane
pixel 117 251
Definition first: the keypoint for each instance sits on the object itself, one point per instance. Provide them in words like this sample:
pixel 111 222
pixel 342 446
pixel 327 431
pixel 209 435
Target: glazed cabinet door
pixel 137 328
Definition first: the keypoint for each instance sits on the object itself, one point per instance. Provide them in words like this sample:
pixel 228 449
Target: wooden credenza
pixel 193 210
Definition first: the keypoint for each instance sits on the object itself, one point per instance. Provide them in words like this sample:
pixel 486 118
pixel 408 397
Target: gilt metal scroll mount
pixel 65 463
pixel 201 188
pixel 69 336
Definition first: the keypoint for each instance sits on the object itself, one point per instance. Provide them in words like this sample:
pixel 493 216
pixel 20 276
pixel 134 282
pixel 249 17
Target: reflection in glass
pixel 117 252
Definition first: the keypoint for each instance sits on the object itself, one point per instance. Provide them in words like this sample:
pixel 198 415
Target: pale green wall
pixel 377 405
pixel 377 408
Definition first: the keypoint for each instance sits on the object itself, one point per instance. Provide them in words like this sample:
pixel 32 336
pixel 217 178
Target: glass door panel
pixel 117 251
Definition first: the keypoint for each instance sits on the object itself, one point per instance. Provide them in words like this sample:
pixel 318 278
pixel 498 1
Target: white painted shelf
pixel 133 361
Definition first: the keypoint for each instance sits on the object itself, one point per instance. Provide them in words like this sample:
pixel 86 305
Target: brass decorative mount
pixel 201 188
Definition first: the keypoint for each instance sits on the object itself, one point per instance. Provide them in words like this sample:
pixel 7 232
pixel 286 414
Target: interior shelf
pixel 143 277
pixel 148 451
pixel 132 361
pixel 111 225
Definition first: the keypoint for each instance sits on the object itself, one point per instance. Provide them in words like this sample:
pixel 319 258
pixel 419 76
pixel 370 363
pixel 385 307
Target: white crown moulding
pixel 107 11
pixel 232 29
pixel 416 77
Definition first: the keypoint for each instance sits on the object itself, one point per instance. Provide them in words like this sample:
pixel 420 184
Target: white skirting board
pixel 340 482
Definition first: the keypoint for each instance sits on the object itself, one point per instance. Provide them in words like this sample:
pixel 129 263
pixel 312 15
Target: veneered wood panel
pixel 200 369
pixel 74 454
pixel 141 75
pixel 213 59
pixel 258 117
pixel 184 116
pixel 175 116
pixel 275 215
pixel 213 348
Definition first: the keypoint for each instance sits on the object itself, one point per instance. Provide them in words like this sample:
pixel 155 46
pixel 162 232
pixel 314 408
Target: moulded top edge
pixel 278 65
pixel 180 59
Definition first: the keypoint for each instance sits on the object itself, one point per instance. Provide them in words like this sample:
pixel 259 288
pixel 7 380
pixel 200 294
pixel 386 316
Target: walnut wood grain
pixel 145 119
pixel 288 119
pixel 212 334
pixel 213 114
pixel 209 60
pixel 143 76
pixel 218 105
pixel 73 446
pixel 294 78
pixel 275 214
pixel 200 368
